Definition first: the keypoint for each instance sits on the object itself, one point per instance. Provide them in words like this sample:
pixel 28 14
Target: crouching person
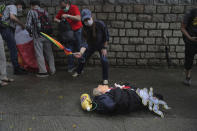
pixel 95 34
pixel 36 19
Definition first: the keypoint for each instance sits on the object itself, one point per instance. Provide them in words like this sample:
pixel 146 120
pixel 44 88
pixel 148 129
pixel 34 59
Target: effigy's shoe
pixel 105 82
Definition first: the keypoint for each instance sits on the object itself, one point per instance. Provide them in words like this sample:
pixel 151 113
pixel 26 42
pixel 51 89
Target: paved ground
pixel 52 104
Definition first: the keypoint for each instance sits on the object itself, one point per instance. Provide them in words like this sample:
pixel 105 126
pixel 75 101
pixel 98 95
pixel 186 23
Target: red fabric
pixel 125 87
pixel 27 59
pixel 74 11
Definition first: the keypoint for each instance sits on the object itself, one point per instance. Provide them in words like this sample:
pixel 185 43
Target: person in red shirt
pixel 71 13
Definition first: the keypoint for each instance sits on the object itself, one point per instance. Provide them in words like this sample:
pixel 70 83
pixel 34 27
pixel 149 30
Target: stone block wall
pixel 137 29
pixel 137 33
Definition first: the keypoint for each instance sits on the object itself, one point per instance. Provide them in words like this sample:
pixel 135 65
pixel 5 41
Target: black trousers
pixel 8 35
pixel 190 52
pixel 104 61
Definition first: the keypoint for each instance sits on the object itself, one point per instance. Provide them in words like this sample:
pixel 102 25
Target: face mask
pixel 20 9
pixel 66 9
pixel 89 22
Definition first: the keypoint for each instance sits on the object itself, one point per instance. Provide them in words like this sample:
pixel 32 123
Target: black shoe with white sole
pixel 42 75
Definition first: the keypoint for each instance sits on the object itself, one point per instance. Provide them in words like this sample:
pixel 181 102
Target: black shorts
pixel 190 51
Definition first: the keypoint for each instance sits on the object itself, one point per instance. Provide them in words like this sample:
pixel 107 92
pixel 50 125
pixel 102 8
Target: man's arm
pixel 15 19
pixel 184 31
pixel 80 54
pixel 76 18
pixel 57 20
pixel 106 34
pixel 83 48
pixel 106 38
pixel 76 14
pixel 72 17
pixel 13 14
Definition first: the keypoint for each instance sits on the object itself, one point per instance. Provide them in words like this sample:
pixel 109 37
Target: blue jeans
pixel 8 36
pixel 75 46
pixel 88 53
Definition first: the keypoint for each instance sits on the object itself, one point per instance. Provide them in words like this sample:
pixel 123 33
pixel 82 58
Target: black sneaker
pixel 42 75
pixel 20 71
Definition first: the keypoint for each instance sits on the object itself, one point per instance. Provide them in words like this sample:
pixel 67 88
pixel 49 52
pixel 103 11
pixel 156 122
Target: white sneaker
pixel 105 82
pixel 71 70
pixel 75 74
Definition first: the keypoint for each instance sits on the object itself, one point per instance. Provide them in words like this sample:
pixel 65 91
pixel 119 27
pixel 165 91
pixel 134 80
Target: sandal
pixel 2 84
pixel 8 80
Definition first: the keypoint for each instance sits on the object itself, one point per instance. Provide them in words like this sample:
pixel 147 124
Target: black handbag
pixel 66 34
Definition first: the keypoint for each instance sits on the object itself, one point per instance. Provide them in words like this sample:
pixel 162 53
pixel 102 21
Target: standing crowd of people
pixel 84 37
pixel 89 36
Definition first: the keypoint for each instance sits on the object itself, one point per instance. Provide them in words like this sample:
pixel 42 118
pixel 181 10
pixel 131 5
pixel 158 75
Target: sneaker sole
pixel 43 76
pixel 75 76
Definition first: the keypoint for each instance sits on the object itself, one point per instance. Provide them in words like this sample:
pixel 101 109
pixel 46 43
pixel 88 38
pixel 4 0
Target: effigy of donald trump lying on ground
pixel 123 99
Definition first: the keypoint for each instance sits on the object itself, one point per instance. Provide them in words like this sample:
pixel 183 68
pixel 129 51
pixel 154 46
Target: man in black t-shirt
pixel 189 30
